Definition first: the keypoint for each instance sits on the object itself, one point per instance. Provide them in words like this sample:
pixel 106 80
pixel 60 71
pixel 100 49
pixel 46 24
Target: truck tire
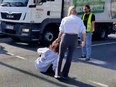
pixel 49 36
pixel 101 31
pixel 103 34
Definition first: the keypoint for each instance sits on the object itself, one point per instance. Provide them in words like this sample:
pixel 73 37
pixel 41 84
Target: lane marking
pixel 98 83
pixel 21 57
pixel 10 54
pixel 95 61
pixel 104 44
pixel 94 45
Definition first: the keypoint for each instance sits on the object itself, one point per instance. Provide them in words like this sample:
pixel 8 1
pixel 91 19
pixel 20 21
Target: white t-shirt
pixel 48 57
pixel 72 24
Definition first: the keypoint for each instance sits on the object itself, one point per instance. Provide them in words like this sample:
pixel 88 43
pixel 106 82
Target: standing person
pixel 69 29
pixel 89 22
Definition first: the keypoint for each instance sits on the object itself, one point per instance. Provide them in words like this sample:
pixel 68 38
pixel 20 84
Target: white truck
pixel 0 27
pixel 38 20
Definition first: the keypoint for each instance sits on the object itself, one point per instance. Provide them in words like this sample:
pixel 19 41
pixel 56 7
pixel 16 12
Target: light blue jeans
pixel 86 50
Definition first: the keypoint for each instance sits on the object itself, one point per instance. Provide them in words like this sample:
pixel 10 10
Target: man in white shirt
pixel 70 27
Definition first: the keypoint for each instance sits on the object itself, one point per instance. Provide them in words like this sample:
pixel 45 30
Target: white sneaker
pixel 56 76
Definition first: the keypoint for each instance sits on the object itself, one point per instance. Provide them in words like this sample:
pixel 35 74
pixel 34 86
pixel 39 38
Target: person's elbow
pixel 83 30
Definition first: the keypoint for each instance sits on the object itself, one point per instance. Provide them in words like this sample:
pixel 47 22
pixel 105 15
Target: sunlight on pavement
pixel 100 62
pixel 99 84
pixel 95 61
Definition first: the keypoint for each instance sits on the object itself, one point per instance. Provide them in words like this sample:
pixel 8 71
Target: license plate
pixel 10 27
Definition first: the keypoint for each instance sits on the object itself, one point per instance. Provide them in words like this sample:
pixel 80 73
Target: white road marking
pixel 16 56
pixel 98 83
pixel 21 57
pixel 103 44
pixel 10 54
pixel 95 61
pixel 109 43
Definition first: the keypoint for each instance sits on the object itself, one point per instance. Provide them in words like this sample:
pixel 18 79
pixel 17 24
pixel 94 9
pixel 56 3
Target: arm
pixel 93 26
pixel 61 29
pixel 93 23
pixel 59 35
pixel 84 37
pixel 83 31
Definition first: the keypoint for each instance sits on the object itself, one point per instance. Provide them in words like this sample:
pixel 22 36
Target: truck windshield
pixel 14 3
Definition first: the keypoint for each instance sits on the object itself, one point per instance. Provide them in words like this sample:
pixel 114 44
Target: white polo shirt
pixel 72 24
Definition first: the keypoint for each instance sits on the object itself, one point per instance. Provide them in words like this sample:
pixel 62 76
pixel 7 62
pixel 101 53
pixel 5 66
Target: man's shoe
pixel 83 56
pixel 65 78
pixel 87 59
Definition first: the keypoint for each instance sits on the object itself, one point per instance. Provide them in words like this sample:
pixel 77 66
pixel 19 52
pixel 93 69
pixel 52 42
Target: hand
pixel 58 39
pixel 82 43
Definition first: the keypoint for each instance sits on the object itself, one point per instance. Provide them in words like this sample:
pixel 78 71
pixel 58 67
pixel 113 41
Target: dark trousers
pixel 68 42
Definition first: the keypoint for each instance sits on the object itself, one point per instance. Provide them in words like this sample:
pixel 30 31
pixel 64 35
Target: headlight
pixel 25 30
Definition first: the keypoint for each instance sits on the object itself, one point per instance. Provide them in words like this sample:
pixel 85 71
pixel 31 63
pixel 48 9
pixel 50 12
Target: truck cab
pixel 31 20
pixel 0 22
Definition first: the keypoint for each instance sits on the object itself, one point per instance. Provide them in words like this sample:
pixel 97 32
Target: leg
pixel 67 65
pixel 62 49
pixel 88 44
pixel 83 51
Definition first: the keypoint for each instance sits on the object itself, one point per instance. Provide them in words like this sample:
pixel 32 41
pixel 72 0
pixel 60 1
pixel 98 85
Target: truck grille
pixel 12 16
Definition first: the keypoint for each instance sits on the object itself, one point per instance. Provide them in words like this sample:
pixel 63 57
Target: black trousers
pixel 68 42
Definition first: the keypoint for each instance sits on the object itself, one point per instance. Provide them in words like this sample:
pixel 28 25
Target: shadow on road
pixel 28 46
pixel 71 81
pixel 102 53
pixel 3 51
pixel 103 56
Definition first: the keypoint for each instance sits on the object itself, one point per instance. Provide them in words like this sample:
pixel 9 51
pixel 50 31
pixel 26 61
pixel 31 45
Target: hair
pixel 88 7
pixel 55 45
pixel 71 10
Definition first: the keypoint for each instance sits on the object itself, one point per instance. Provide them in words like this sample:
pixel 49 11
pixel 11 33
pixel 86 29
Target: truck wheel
pixel 103 34
pixel 49 36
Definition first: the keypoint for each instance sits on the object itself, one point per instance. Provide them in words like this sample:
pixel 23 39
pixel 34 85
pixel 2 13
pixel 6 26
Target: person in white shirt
pixel 47 57
pixel 69 28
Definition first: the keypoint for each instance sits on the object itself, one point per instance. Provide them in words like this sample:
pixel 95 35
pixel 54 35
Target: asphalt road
pixel 17 66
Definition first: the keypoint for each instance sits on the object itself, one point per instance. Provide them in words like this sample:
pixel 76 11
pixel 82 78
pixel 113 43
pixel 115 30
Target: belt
pixel 71 33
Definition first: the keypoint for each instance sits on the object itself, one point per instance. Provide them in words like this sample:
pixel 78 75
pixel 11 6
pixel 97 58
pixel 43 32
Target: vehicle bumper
pixel 26 32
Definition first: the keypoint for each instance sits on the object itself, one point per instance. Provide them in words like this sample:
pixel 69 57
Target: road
pixel 18 70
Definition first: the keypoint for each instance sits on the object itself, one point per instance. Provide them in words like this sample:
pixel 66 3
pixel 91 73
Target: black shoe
pixel 83 56
pixel 65 78
pixel 87 59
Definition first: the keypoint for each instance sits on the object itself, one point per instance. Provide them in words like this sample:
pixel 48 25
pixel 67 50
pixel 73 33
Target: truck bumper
pixel 21 37
pixel 26 32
